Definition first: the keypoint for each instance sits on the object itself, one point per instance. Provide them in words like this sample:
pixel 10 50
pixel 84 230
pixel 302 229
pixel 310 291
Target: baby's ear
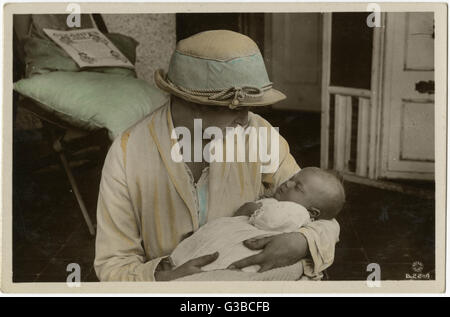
pixel 314 212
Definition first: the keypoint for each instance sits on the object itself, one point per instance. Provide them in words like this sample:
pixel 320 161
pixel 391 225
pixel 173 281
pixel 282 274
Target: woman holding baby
pixel 149 202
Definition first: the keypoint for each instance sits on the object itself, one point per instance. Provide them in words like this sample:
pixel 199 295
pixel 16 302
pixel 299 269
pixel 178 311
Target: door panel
pixel 419 49
pixel 408 111
pixel 417 135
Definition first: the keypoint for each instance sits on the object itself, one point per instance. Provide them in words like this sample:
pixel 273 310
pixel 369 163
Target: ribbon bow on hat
pixel 239 94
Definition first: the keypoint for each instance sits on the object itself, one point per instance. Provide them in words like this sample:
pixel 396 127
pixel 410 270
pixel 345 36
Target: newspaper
pixel 89 48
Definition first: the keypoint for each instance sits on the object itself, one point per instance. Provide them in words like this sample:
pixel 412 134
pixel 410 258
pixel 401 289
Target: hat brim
pixel 269 97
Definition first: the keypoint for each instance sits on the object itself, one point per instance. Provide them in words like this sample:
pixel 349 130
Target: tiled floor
pixel 391 229
pixel 49 231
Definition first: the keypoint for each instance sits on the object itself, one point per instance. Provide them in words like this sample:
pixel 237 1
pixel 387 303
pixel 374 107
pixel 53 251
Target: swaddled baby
pixel 310 194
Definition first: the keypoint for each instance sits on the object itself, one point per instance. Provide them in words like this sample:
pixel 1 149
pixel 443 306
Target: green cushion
pixel 43 56
pixel 92 100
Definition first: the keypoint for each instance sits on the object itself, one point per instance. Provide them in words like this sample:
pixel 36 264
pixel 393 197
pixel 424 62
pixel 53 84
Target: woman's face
pixel 221 117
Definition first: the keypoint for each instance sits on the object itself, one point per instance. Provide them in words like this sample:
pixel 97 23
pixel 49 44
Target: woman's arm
pixel 277 251
pixel 165 272
pixel 322 236
pixel 315 241
pixel 119 255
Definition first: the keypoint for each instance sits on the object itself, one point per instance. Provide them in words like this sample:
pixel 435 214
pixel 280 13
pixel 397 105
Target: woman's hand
pixel 277 251
pixel 165 273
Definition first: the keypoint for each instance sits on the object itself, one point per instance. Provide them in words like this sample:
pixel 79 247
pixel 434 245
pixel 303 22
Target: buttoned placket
pixel 200 193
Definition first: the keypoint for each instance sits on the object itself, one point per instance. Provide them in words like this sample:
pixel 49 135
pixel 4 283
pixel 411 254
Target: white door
pixel 407 143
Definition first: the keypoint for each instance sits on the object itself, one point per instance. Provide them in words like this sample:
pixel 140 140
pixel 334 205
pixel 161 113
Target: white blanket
pixel 226 235
pixel 287 273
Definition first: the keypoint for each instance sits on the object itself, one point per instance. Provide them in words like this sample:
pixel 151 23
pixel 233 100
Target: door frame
pixel 370 161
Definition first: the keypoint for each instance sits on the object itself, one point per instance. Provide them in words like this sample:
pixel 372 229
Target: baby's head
pixel 321 192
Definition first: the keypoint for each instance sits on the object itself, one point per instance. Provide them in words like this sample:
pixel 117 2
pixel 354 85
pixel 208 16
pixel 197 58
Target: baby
pixel 309 195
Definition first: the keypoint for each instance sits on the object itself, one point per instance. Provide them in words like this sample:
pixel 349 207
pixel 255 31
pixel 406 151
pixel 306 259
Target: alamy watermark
pixel 74 18
pixel 239 144
pixel 74 277
pixel 374 278
pixel 373 19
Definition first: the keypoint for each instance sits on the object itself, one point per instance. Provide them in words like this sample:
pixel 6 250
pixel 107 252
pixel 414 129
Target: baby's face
pixel 306 188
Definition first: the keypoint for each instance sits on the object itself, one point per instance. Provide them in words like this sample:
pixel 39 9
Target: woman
pixel 148 200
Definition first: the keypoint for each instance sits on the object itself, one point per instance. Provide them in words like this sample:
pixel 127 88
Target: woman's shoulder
pixel 138 134
pixel 256 120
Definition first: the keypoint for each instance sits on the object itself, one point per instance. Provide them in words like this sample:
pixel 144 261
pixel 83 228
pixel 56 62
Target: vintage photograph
pixel 294 146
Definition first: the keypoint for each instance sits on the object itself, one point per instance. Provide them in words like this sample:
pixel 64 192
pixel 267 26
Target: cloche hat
pixel 221 68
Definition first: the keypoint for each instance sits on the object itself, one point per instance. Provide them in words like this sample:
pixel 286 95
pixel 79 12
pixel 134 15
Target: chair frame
pixel 55 128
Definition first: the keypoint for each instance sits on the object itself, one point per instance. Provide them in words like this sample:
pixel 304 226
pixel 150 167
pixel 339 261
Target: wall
pixel 293 56
pixel 154 32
